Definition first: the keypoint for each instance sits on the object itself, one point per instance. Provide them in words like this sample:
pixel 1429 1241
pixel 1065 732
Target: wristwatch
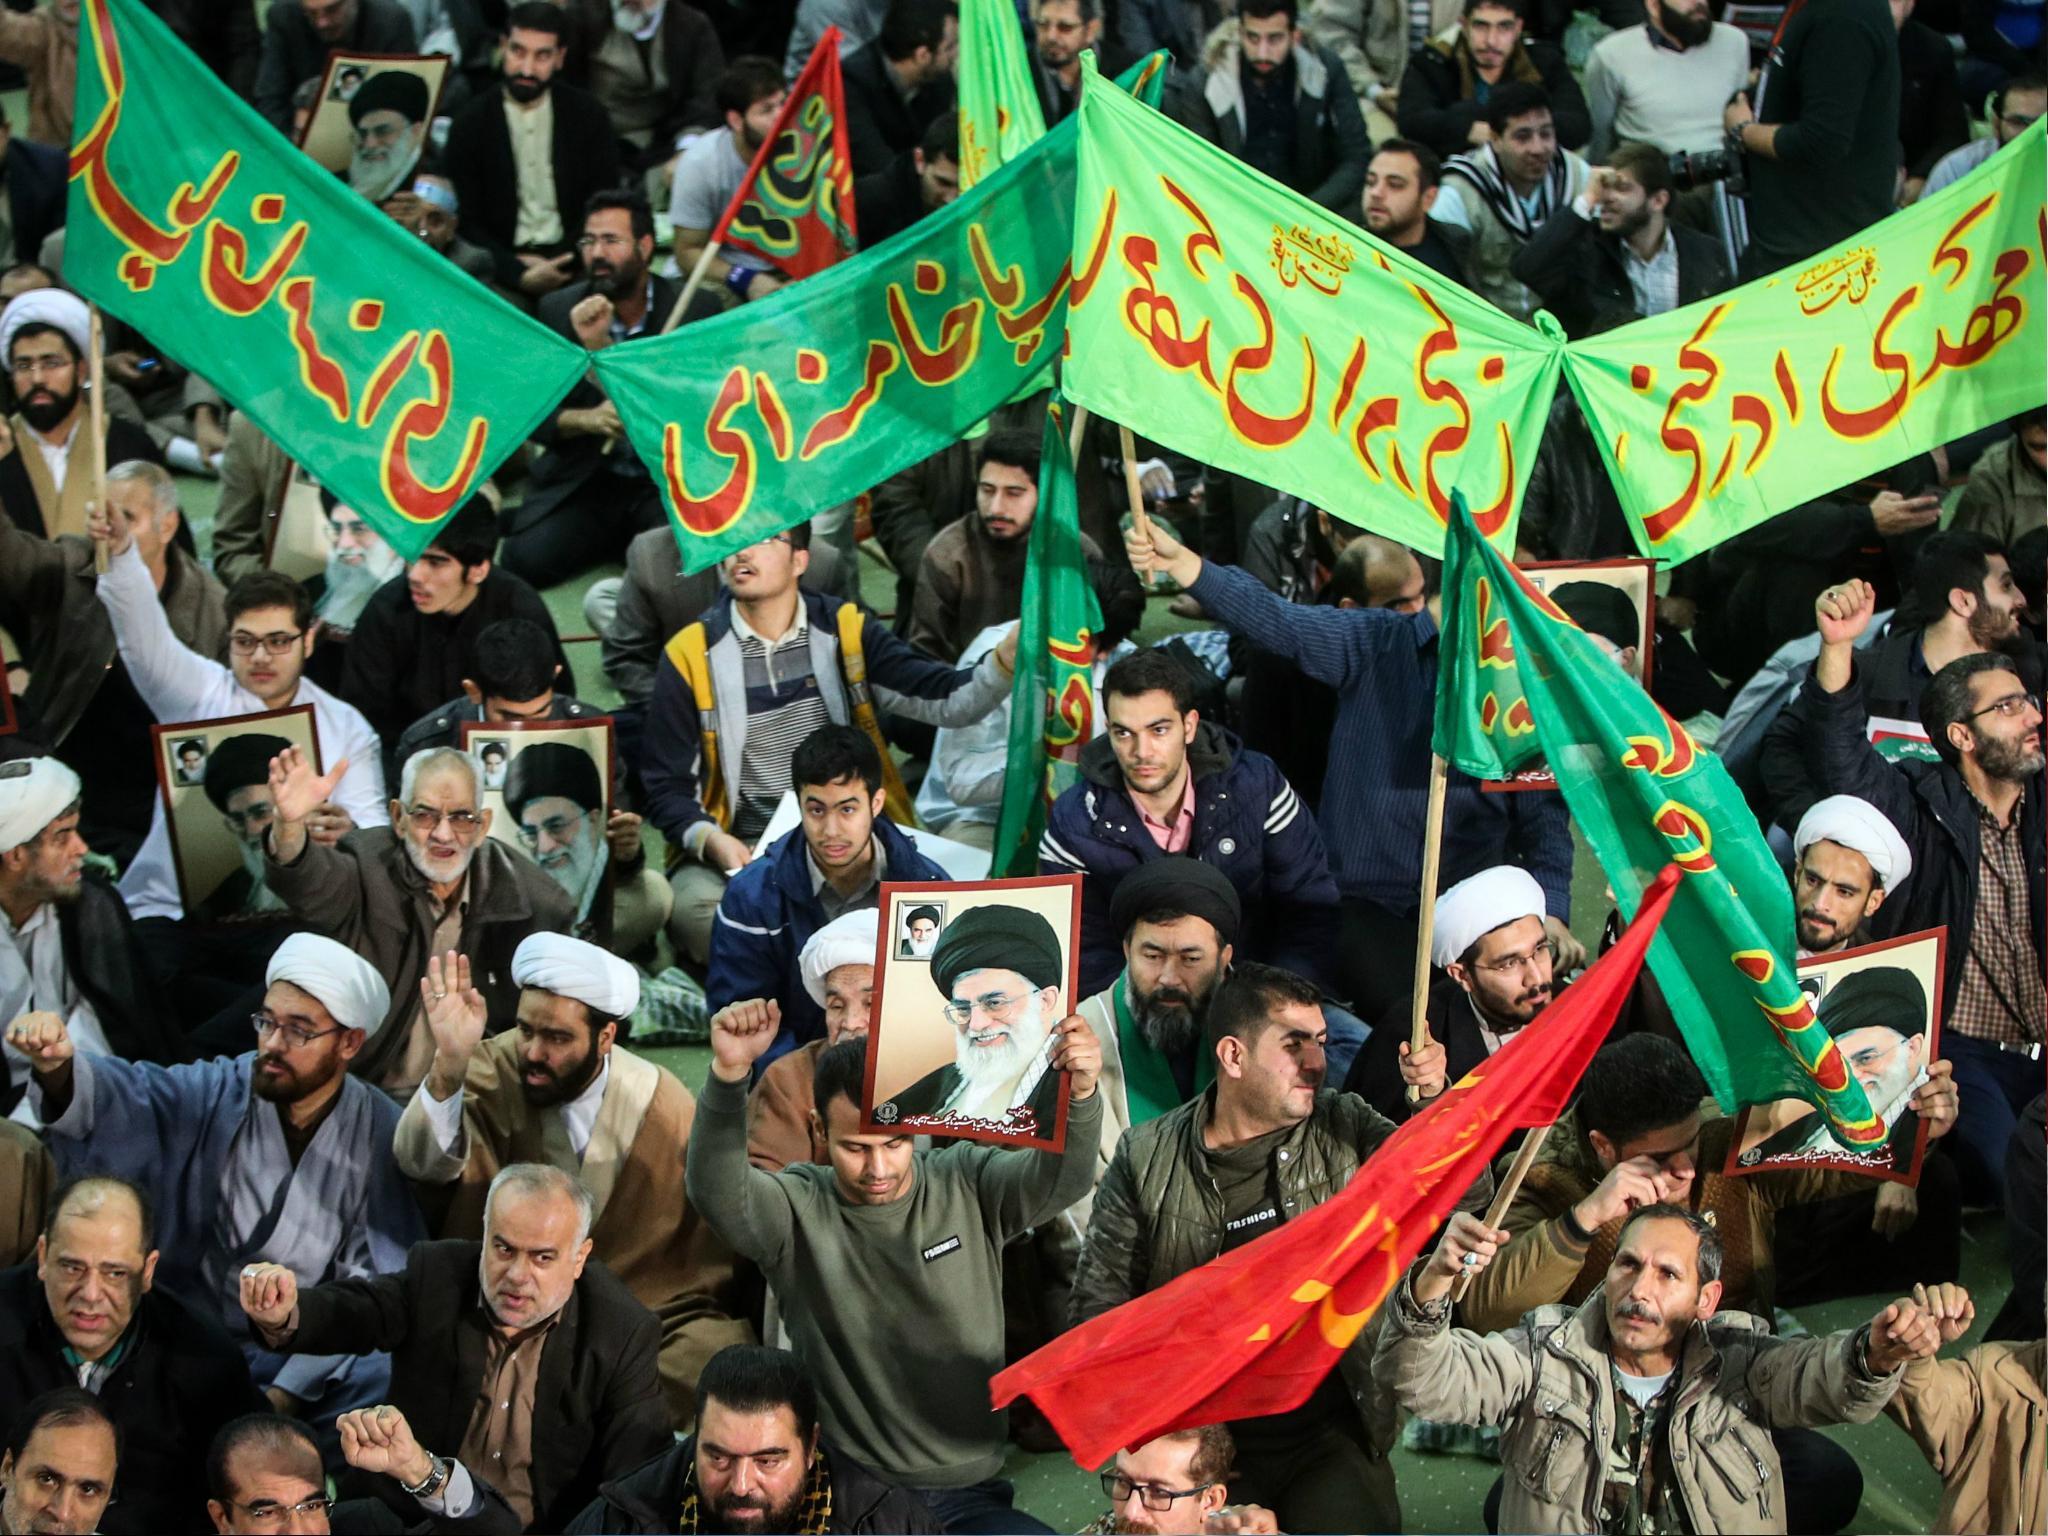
pixel 439 1470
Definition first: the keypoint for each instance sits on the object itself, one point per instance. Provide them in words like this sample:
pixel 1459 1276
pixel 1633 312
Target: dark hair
pixel 914 24
pixel 1150 671
pixel 1946 701
pixel 639 216
pixel 1019 450
pixel 512 659
pixel 146 1212
pixel 1120 596
pixel 753 1378
pixel 29 266
pixel 1644 164
pixel 538 16
pixel 1955 557
pixel 1429 166
pixel 1519 7
pixel 835 752
pixel 1091 10
pixel 470 537
pixel 1244 1004
pixel 1518 98
pixel 941 139
pixel 841 1069
pixel 798 534
pixel 268 589
pixel 1638 1084
pixel 2031 81
pixel 2029 558
pixel 1710 1240
pixel 34 328
pixel 1264 8
pixel 258 1431
pixel 1215 1452
pixel 59 1408
pixel 746 80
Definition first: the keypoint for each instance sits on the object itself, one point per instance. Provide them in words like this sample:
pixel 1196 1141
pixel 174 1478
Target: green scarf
pixel 1149 1087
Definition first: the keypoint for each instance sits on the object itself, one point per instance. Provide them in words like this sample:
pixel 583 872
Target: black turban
pixel 239 762
pixel 552 768
pixel 1179 885
pixel 928 914
pixel 1881 996
pixel 1600 609
pixel 998 939
pixel 389 90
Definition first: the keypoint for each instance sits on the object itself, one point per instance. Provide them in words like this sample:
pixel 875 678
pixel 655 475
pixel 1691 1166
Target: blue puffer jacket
pixel 1248 823
pixel 767 915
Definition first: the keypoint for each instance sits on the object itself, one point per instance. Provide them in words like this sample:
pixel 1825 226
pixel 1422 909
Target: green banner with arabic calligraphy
pixel 1223 315
pixel 1922 328
pixel 759 418
pixel 1517 677
pixel 999 113
pixel 367 357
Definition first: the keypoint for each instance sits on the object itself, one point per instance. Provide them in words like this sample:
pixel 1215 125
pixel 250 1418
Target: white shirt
pixel 1958 163
pixel 33 977
pixel 538 220
pixel 180 686
pixel 56 456
pixel 579 1115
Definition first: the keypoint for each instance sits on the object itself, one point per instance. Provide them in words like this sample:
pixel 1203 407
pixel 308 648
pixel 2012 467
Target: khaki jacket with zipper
pixel 1982 1421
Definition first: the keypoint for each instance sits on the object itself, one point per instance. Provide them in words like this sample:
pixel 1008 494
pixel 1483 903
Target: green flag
pixel 1518 678
pixel 1908 335
pixel 753 421
pixel 1052 703
pixel 999 112
pixel 1221 314
pixel 366 356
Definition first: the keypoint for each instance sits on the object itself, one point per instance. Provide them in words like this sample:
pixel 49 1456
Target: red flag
pixel 1253 1332
pixel 795 206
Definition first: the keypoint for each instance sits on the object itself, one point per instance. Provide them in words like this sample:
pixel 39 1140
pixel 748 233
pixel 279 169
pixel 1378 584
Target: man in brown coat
pixel 430 882
pixel 837 964
pixel 26 1178
pixel 559 1089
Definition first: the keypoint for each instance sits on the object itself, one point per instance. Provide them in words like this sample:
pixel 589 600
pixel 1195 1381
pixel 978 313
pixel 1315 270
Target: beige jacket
pixel 1549 1385
pixel 47 51
pixel 1980 1422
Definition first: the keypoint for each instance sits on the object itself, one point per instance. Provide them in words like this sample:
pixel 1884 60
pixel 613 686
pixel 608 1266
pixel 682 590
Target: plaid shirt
pixel 2001 997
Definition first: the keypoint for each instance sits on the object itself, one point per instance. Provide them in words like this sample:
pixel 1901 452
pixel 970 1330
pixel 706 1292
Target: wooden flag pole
pixel 1425 927
pixel 696 281
pixel 1075 433
pixel 1532 1145
pixel 1128 447
pixel 96 420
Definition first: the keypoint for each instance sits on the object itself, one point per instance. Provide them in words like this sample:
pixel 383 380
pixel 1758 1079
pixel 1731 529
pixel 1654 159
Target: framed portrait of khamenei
pixel 1614 601
pixel 971 981
pixel 371 117
pixel 1881 1004
pixel 214 777
pixel 547 785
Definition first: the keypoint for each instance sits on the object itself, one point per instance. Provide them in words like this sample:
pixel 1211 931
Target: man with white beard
pixel 553 793
pixel 430 882
pixel 999 969
pixel 388 116
pixel 1878 1019
pixel 357 565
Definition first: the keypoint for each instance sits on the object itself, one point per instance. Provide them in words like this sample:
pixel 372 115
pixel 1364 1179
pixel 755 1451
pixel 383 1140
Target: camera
pixel 1692 168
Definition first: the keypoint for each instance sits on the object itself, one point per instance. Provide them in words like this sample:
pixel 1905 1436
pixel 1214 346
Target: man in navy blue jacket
pixel 832 864
pixel 1162 780
pixel 1383 666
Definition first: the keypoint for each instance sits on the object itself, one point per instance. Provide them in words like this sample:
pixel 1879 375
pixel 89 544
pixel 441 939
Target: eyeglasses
pixel 1508 965
pixel 242 643
pixel 1120 1488
pixel 2009 707
pixel 295 1034
pixel 999 1006
pixel 255 815
pixel 39 367
pixel 425 818
pixel 556 829
pixel 269 1515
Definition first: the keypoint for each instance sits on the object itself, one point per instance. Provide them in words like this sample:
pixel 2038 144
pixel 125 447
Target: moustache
pixel 1534 995
pixel 1641 1311
pixel 1172 995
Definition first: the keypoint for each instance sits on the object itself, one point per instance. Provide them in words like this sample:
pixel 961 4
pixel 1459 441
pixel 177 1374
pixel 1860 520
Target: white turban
pixel 335 976
pixel 34 791
pixel 47 306
pixel 1861 827
pixel 847 940
pixel 1474 907
pixel 596 978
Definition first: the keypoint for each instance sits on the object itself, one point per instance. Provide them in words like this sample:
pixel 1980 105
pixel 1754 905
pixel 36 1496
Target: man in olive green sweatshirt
pixel 887 1261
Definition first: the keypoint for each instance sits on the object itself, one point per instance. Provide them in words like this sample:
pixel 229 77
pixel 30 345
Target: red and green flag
pixel 1052 702
pixel 1517 679
pixel 1000 116
pixel 1253 1332
pixel 794 208
pixel 366 356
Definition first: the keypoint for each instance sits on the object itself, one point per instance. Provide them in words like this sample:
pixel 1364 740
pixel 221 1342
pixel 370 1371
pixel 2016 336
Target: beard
pixel 1170 1018
pixel 420 862
pixel 524 89
pixel 43 409
pixel 1688 31
pixel 376 174
pixel 987 1066
pixel 751 1513
pixel 1996 629
pixel 579 868
pixel 350 584
pixel 616 282
pixel 289 1086
pixel 2010 761
pixel 561 1086
pixel 1816 933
